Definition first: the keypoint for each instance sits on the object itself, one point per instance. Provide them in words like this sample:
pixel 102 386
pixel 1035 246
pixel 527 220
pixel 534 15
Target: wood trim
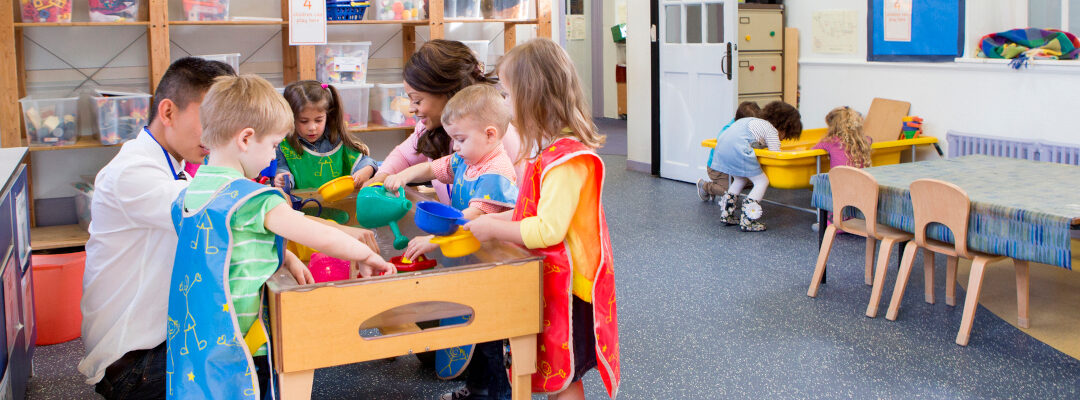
pixel 509 36
pixel 158 41
pixel 305 62
pixel 408 42
pixel 543 19
pixel 435 19
pixel 9 80
pixel 290 69
pixel 791 66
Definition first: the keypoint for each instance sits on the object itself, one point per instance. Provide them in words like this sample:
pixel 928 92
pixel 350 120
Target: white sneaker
pixel 701 193
pixel 459 394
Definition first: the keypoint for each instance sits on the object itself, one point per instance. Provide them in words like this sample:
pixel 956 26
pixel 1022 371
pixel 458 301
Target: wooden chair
pixel 853 187
pixel 935 201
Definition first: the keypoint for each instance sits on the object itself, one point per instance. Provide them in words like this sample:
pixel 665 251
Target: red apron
pixel 555 356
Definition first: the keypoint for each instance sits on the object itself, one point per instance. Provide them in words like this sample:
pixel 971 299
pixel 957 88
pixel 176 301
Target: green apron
pixel 311 170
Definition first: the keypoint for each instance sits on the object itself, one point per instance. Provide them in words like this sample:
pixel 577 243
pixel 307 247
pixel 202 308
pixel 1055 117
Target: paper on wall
pixel 307 22
pixel 897 20
pixel 834 31
pixel 575 27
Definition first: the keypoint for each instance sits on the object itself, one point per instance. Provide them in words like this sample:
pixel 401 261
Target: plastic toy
pixel 419 264
pixel 342 63
pixel 337 189
pixel 46 10
pixel 298 203
pixel 302 252
pixel 459 244
pixel 206 10
pixel 327 269
pixel 390 106
pixel 120 116
pixel 113 10
pixel 503 9
pixel 375 207
pixel 399 9
pixel 437 218
pixel 912 127
pixel 46 126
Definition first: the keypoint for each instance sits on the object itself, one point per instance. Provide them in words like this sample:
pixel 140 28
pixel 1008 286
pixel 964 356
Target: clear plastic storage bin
pixel 206 10
pixel 344 62
pixel 354 104
pixel 114 10
pixel 118 116
pixel 390 105
pixel 233 59
pixel 505 9
pixel 400 9
pixel 45 10
pixel 461 9
pixel 480 49
pixel 51 121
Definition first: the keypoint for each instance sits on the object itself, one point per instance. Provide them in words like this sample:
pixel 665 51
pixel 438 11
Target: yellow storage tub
pixel 794 164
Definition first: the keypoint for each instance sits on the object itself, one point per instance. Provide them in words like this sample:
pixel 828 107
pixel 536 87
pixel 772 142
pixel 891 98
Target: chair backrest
pixel 853 187
pixel 938 201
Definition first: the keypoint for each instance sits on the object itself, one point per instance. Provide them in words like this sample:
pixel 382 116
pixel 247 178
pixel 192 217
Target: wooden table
pixel 330 324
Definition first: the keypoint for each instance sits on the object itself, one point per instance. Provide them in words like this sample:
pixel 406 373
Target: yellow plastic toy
pixel 459 244
pixel 337 189
pixel 795 163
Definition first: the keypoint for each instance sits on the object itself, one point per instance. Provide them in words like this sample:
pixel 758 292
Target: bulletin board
pixel 937 32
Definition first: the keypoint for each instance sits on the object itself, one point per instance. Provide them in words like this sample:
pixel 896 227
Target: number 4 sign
pixel 307 22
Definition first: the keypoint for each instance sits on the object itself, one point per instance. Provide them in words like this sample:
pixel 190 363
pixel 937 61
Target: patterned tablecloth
pixel 1019 208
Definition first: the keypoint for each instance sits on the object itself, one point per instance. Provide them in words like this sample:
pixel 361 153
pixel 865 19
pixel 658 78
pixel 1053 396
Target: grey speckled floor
pixel 708 312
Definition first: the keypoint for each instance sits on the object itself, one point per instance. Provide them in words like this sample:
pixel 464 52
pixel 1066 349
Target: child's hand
pixel 298 270
pixel 418 246
pixel 365 236
pixel 482 227
pixel 374 265
pixel 393 182
pixel 362 176
pixel 279 179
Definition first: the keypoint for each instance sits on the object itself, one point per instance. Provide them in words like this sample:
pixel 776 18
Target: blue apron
pixel 734 155
pixel 449 363
pixel 208 358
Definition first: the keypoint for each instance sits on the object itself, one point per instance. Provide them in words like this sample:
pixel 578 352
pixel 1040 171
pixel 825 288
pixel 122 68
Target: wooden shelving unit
pixel 298 63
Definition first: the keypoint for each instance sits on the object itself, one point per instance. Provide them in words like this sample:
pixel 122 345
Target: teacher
pixel 433 74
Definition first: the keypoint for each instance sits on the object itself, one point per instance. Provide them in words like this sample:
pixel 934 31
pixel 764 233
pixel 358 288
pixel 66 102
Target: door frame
pixel 654 26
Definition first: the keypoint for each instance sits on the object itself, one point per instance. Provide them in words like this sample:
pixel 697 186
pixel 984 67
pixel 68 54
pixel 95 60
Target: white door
pixel 697 83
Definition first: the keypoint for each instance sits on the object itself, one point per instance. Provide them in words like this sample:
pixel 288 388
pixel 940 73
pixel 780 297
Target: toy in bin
pixel 113 10
pixel 206 10
pixel 912 127
pixel 400 9
pixel 328 269
pixel 504 9
pixel 345 10
pixel 120 116
pixel 375 207
pixel 445 223
pixel 420 263
pixel 342 63
pixel 46 10
pixel 393 106
pixel 50 121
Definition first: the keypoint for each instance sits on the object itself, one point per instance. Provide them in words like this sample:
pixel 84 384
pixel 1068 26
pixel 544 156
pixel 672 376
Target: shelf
pixel 55 237
pixel 501 21
pixel 126 23
pixel 380 128
pixel 83 142
pixel 229 23
pixel 383 22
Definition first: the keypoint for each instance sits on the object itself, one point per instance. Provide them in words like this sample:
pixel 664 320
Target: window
pixel 1054 14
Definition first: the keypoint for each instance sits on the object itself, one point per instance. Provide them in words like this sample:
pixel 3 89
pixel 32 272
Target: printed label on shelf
pixel 349 64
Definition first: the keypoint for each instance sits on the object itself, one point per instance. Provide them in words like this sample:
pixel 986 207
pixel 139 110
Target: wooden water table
pixel 796 162
pixel 344 322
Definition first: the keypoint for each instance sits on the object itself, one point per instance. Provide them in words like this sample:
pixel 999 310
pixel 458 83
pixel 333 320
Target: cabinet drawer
pixel 760 73
pixel 761 30
pixel 760 99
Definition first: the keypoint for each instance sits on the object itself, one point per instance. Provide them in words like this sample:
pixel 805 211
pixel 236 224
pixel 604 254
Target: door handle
pixel 725 63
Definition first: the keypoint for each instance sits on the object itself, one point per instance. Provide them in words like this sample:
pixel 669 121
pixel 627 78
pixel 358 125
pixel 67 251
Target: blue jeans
pixel 487 372
pixel 140 374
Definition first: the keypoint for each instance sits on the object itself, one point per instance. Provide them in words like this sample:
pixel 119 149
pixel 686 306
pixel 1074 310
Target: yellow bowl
pixel 301 251
pixel 336 189
pixel 459 244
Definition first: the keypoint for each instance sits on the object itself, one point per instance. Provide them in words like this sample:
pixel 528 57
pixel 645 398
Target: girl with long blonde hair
pixel 559 214
pixel 845 141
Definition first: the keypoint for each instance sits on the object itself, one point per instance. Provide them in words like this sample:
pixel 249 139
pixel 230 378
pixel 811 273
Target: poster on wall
pixel 307 22
pixel 835 31
pixel 11 302
pixel 897 20
pixel 915 30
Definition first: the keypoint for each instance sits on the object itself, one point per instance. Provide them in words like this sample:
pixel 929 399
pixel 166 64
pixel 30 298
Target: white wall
pixel 580 52
pixel 991 99
pixel 638 86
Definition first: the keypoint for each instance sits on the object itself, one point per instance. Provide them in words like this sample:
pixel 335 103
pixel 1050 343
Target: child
pixel 320 150
pixel 735 156
pixel 560 215
pixel 230 233
pixel 718 184
pixel 845 141
pixel 483 174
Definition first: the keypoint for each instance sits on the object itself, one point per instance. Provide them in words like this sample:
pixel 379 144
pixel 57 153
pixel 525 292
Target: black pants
pixel 139 374
pixel 487 372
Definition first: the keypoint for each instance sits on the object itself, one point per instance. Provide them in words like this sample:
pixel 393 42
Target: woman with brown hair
pixel 433 74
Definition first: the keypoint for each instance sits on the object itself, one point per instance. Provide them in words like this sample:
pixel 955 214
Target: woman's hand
pixel 418 246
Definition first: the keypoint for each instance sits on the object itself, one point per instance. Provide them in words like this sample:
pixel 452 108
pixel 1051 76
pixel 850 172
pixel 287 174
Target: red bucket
pixel 57 291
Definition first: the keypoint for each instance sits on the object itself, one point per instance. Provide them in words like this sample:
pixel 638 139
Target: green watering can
pixel 375 208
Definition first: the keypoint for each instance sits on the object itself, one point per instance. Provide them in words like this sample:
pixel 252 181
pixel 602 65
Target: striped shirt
pixel 494 162
pixel 254 256
pixel 764 134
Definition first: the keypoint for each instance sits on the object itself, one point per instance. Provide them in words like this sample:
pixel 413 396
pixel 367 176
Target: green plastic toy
pixel 375 208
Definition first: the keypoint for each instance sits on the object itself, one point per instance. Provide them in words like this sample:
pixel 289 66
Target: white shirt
pixel 129 256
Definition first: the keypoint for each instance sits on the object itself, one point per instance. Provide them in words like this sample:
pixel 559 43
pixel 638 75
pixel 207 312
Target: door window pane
pixel 693 23
pixel 714 23
pixel 673 24
pixel 1045 14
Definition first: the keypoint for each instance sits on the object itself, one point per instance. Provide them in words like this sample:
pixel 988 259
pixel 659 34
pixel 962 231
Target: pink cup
pixel 325 268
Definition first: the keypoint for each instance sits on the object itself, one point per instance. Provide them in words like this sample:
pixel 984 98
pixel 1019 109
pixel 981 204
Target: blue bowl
pixel 437 218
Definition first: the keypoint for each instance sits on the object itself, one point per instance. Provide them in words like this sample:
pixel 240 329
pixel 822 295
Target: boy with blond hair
pixel 231 232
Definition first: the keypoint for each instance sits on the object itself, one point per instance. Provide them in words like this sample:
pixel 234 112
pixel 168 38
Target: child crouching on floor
pixel 231 233
pixel 717 184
